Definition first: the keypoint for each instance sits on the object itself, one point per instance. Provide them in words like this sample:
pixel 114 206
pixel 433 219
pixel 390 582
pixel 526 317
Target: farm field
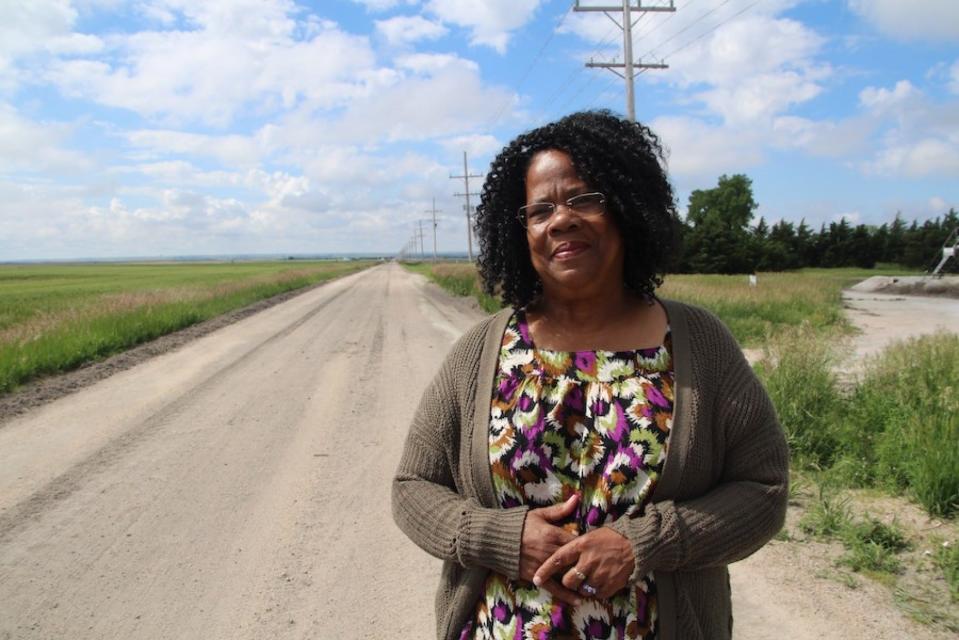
pixel 56 317
pixel 780 303
pixel 872 474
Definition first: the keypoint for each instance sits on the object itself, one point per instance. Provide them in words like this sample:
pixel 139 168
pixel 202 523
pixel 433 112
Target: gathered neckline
pixel 522 324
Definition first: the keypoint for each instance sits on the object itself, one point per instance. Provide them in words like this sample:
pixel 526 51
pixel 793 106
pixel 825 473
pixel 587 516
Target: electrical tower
pixel 469 221
pixel 434 212
pixel 628 66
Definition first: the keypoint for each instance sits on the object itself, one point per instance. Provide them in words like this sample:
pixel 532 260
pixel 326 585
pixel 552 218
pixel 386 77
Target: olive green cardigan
pixel 721 496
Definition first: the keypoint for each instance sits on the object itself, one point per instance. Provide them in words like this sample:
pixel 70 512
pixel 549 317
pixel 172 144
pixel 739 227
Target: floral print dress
pixel 590 422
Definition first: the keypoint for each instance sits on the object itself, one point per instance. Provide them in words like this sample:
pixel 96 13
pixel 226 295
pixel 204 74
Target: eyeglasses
pixel 585 205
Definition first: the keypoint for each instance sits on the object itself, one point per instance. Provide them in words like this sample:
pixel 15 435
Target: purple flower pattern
pixel 594 423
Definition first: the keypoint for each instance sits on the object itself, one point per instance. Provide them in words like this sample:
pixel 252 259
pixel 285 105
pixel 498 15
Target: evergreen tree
pixel 896 243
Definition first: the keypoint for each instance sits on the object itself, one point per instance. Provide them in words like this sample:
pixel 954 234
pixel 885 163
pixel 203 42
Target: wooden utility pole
pixel 628 66
pixel 434 212
pixel 469 221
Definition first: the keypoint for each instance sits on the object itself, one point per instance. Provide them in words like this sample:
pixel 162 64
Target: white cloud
pixel 431 96
pixel 881 99
pixel 837 139
pixel 755 67
pixel 920 137
pixel 699 151
pixel 475 145
pixel 180 172
pixel 925 157
pixel 954 78
pixel 384 5
pixel 230 150
pixel 759 98
pixel 26 145
pixel 747 46
pixel 432 63
pixel 26 26
pixel 403 30
pixel 932 19
pixel 421 108
pixel 256 19
pixel 490 21
pixel 235 61
pixel 938 205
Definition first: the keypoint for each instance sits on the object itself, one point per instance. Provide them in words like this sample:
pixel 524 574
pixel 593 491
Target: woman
pixel 588 461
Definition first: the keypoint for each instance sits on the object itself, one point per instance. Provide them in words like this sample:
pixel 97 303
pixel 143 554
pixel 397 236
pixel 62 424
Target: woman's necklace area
pixel 635 324
pixel 620 334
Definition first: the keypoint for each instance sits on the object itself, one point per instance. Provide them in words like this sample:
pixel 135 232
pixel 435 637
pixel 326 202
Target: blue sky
pixel 172 127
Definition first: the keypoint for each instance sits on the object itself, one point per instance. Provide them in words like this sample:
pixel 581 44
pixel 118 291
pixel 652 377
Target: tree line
pixel 717 237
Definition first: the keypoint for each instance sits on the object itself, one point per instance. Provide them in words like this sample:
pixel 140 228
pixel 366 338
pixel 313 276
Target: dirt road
pixel 239 488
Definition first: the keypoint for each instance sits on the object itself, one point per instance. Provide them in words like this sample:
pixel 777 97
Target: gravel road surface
pixel 238 487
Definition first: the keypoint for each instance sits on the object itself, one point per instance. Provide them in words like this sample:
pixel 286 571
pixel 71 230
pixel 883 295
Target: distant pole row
pixel 415 243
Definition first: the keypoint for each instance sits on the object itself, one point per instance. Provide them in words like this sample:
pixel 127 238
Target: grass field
pixel 56 317
pixel 780 302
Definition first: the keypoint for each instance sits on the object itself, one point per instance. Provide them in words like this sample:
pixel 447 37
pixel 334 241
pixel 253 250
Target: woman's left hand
pixel 601 560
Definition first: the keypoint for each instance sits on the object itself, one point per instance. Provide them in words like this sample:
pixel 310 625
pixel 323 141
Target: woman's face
pixel 574 256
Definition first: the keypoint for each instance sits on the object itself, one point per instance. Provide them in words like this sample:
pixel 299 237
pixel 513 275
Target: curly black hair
pixel 624 160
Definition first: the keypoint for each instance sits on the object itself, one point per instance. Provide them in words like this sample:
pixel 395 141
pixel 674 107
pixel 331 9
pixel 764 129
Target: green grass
pixel 895 430
pixel 781 302
pixel 828 516
pixel 946 558
pixel 57 317
pixel 459 278
pixel 872 546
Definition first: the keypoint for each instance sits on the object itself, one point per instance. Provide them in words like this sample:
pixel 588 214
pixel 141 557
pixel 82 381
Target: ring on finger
pixel 579 574
pixel 588 589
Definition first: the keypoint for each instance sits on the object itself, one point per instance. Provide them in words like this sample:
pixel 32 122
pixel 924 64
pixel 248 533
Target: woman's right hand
pixel 542 537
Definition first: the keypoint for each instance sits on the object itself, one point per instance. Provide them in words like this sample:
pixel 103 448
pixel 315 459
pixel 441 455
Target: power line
pixel 529 68
pixel 565 83
pixel 687 27
pixel 664 21
pixel 706 33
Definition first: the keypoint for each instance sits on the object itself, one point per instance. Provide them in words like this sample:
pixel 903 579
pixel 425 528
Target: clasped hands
pixel 556 560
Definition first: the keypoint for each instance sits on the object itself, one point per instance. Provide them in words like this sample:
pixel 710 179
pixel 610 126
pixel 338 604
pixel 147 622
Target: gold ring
pixel 579 574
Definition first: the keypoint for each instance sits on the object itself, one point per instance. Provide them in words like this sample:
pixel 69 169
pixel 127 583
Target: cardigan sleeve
pixel 429 505
pixel 747 504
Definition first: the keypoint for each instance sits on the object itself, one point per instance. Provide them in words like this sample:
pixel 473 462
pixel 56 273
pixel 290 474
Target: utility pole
pixel 419 235
pixel 434 212
pixel 469 222
pixel 628 66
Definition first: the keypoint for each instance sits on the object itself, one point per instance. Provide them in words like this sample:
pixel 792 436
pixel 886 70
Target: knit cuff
pixel 491 538
pixel 655 543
